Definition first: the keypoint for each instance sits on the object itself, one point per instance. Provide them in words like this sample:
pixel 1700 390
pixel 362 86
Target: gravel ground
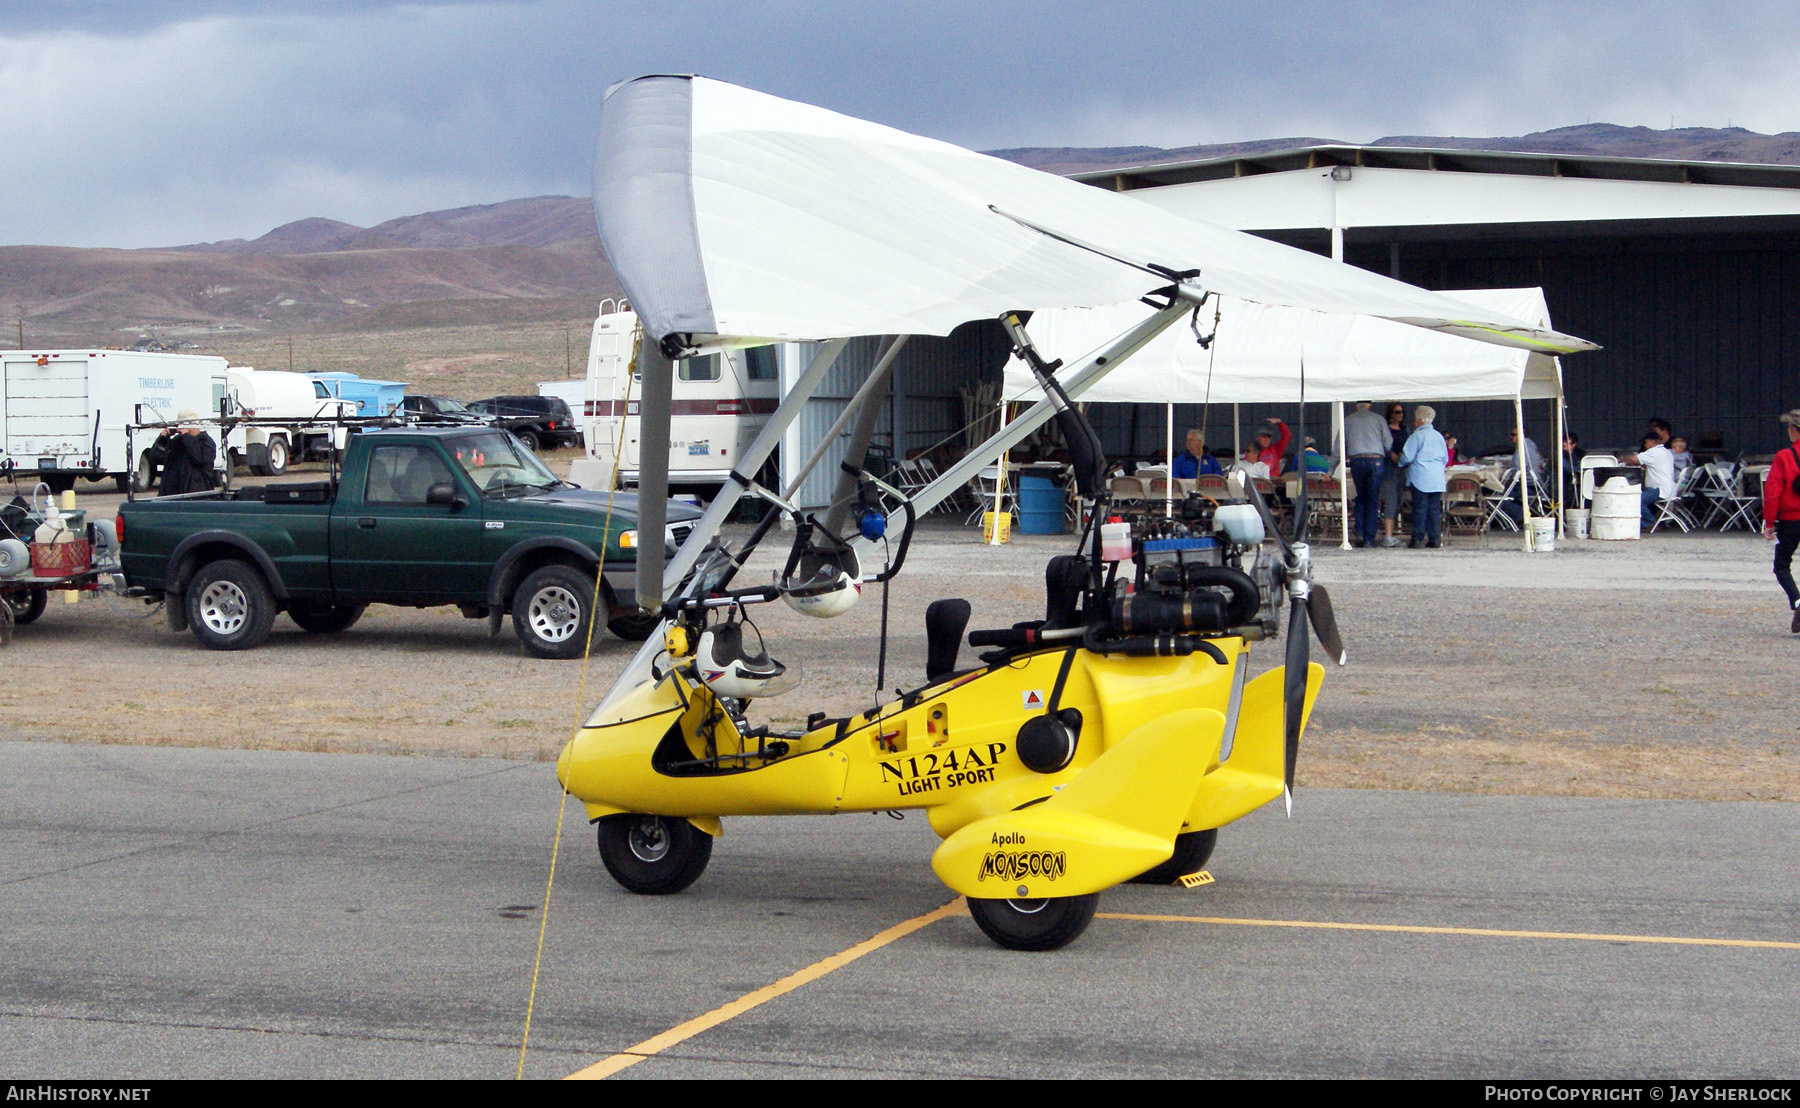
pixel 1661 668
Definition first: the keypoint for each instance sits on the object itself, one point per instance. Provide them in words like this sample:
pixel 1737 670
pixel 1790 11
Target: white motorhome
pixel 65 411
pixel 305 408
pixel 720 403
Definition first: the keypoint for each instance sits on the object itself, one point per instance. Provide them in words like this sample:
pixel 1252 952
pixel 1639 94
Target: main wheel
pixel 1043 924
pixel 634 624
pixel 1191 852
pixel 324 619
pixel 653 855
pixel 278 457
pixel 229 605
pixel 27 605
pixel 552 609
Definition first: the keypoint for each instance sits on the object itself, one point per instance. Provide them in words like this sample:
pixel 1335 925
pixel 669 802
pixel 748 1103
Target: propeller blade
pixel 1324 623
pixel 1294 690
pixel 1268 517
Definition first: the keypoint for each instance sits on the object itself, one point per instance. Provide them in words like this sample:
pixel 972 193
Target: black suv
pixel 540 421
pixel 440 409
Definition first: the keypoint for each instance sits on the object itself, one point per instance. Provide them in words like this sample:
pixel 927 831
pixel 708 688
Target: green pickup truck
pixel 419 517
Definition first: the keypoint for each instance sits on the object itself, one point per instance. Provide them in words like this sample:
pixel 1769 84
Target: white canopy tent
pixel 1257 351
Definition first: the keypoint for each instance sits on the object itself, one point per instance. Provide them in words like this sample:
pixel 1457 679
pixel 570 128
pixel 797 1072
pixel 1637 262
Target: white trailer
pixel 64 411
pixel 307 411
pixel 720 403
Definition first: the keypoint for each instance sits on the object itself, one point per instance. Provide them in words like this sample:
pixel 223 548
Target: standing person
pixel 1194 460
pixel 186 455
pixel 1268 447
pixel 1781 512
pixel 1394 480
pixel 1366 442
pixel 1424 458
pixel 1659 476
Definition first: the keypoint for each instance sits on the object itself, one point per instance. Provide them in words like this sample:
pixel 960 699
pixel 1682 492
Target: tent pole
pixel 1562 431
pixel 1169 462
pixel 1524 473
pixel 1343 474
pixel 999 476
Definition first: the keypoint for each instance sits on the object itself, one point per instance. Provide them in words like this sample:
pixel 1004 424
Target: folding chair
pixel 1127 490
pixel 982 487
pixel 1739 505
pixel 1673 509
pixel 1463 507
pixel 1494 504
pixel 1213 485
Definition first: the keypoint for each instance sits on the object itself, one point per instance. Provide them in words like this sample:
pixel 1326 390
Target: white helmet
pixel 729 669
pixel 826 583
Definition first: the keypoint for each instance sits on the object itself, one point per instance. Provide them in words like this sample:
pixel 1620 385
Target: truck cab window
pixel 699 369
pixel 403 474
pixel 320 391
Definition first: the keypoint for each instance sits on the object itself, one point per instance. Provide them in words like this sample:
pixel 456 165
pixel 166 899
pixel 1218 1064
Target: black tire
pixel 143 478
pixel 1044 924
pixel 229 606
pixel 552 610
pixel 59 482
pixel 278 457
pixel 653 855
pixel 27 605
pixel 325 619
pixel 122 482
pixel 529 438
pixel 1191 852
pixel 633 624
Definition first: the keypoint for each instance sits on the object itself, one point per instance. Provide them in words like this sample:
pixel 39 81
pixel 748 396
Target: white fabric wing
pixel 801 224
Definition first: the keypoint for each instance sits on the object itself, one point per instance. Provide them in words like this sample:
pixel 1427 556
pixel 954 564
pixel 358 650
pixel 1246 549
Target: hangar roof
pixel 1397 187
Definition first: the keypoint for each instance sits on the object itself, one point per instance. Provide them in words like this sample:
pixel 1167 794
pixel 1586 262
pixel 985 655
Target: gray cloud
pixel 165 121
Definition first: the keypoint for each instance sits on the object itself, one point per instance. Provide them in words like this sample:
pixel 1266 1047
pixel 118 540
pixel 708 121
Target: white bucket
pixel 1543 534
pixel 1575 520
pixel 1618 507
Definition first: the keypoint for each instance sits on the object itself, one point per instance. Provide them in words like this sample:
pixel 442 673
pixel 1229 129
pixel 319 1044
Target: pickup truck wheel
pixel 552 610
pixel 653 855
pixel 278 457
pixel 229 606
pixel 27 604
pixel 530 440
pixel 633 624
pixel 324 619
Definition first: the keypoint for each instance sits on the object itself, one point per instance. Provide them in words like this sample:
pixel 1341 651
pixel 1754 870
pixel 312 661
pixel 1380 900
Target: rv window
pixel 761 362
pixel 699 369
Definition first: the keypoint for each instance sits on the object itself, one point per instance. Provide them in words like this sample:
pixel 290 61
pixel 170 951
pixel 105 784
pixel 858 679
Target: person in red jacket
pixel 1781 512
pixel 1268 447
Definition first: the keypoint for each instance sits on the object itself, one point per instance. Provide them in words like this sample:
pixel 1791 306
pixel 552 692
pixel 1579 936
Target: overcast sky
pixel 157 122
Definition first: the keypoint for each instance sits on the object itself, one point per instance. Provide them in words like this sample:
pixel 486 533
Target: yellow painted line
pixel 1407 929
pixel 631 1056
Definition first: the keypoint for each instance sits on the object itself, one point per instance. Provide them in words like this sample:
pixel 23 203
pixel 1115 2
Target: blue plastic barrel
pixel 1040 507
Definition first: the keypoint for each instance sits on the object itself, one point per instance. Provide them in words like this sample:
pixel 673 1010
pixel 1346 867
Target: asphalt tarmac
pixel 223 913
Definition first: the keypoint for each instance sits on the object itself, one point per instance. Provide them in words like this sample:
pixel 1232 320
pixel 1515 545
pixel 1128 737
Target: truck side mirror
pixel 445 492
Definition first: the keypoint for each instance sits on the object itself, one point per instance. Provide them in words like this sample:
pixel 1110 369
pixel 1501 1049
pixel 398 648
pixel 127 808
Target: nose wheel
pixel 653 855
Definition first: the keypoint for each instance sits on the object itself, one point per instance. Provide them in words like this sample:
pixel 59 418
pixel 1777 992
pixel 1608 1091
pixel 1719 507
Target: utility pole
pixel 568 354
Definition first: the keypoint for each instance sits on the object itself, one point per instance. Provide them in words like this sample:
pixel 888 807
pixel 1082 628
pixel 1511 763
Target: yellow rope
pixel 580 691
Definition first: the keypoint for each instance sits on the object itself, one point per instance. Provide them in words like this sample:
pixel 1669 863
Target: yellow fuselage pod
pixel 1151 729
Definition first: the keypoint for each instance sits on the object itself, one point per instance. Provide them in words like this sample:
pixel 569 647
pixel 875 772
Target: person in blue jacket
pixel 1194 460
pixel 1424 457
